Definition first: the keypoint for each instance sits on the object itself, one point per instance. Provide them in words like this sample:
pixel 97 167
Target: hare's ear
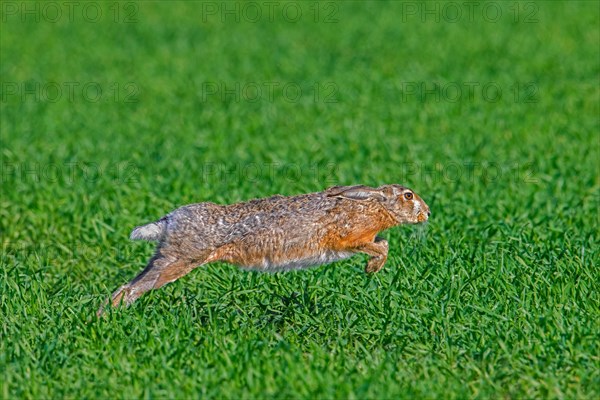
pixel 358 192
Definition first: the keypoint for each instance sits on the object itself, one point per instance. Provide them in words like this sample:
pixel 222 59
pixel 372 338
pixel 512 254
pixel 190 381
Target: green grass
pixel 497 297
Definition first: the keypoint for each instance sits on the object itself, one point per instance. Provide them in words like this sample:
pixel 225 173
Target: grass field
pixel 113 114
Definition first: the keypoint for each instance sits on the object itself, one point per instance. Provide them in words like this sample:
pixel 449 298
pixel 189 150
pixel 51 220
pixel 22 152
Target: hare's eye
pixel 408 196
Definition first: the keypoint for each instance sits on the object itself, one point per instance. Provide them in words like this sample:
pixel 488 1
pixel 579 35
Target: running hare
pixel 275 233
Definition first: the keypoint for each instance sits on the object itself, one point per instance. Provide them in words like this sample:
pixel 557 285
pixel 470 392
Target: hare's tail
pixel 151 231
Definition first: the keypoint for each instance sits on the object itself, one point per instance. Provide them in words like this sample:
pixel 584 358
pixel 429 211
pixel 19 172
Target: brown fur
pixel 275 233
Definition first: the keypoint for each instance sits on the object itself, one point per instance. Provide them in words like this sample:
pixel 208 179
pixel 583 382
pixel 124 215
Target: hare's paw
pixel 101 309
pixel 375 264
pixel 378 250
pixel 122 296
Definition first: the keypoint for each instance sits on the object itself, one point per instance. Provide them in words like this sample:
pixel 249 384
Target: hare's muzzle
pixel 424 212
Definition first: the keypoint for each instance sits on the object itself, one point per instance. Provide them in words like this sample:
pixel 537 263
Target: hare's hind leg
pixel 161 269
pixel 152 277
pixel 378 250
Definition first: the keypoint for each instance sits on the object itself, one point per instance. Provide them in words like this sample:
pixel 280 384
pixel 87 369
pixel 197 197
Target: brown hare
pixel 273 234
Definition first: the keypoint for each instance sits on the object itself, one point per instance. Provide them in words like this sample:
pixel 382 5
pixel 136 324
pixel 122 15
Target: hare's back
pixel 279 208
pixel 276 215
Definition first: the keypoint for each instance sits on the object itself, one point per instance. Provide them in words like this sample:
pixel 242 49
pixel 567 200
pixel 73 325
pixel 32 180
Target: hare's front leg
pixel 378 250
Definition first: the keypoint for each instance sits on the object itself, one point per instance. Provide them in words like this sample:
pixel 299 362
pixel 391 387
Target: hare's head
pixel 404 205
